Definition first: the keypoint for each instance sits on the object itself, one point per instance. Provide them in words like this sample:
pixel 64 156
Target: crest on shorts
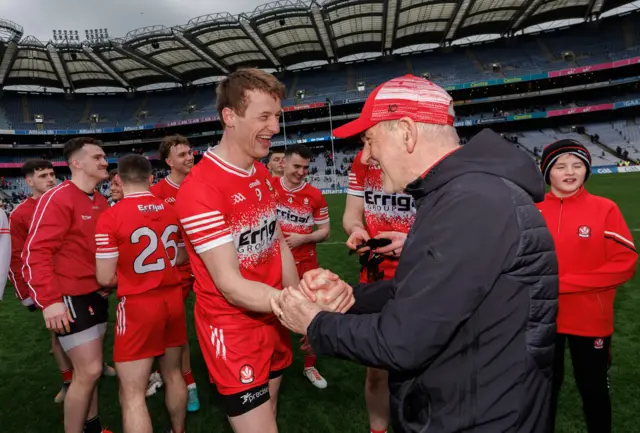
pixel 598 343
pixel 584 231
pixel 246 374
pixel 91 310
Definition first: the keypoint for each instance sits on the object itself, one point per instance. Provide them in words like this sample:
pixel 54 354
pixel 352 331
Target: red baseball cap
pixel 406 96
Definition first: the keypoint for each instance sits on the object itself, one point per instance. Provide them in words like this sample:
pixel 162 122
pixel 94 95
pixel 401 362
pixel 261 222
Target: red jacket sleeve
pixel 19 228
pixel 50 223
pixel 621 256
pixel 5 251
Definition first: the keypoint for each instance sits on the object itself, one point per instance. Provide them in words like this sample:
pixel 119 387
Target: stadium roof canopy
pixel 276 35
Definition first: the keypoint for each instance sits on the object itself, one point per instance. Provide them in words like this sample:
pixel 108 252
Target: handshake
pixel 319 290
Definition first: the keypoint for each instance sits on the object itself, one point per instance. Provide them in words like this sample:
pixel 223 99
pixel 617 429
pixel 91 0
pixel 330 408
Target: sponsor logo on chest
pixel 380 202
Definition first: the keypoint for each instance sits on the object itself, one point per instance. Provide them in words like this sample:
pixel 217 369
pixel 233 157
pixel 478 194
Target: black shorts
pixel 90 314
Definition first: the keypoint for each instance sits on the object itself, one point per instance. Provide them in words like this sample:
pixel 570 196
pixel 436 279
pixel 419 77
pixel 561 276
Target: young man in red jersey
pixel 386 216
pixel 300 207
pixel 115 189
pixel 596 254
pixel 40 177
pixel 138 245
pixel 175 151
pixel 276 163
pixel 227 208
pixel 60 271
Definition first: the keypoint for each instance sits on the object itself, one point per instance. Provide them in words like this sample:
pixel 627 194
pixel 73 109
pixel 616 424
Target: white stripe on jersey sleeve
pixel 201 236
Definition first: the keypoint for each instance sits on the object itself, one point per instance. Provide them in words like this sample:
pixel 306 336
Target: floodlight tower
pixel 66 36
pixel 96 35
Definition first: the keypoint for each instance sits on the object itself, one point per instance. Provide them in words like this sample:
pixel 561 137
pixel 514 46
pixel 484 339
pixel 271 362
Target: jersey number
pixel 139 265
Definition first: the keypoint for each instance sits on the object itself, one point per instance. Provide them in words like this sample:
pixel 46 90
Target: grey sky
pixel 40 17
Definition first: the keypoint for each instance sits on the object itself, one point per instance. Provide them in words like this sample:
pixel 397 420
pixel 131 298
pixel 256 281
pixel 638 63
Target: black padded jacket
pixel 466 327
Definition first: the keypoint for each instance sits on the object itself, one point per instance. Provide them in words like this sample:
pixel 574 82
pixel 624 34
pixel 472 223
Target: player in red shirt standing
pixel 176 152
pixel 137 246
pixel 227 208
pixel 300 207
pixel 60 272
pixel 40 177
pixel 276 163
pixel 386 216
pixel 115 189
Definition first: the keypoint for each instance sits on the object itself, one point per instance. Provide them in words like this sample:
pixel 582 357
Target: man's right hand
pixel 327 290
pixel 57 318
pixel 358 237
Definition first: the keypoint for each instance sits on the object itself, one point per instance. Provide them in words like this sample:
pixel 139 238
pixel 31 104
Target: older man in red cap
pixel 466 326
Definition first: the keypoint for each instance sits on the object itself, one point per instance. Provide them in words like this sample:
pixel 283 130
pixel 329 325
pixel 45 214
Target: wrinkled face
pixel 253 130
pixel 41 181
pixel 567 175
pixel 386 148
pixel 276 164
pixel 296 169
pixel 116 189
pixel 91 160
pixel 180 159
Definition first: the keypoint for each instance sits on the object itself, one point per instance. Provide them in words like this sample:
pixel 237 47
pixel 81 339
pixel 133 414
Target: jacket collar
pixel 582 192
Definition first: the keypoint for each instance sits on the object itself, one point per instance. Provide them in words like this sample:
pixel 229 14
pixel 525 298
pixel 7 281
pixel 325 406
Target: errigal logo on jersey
pixel 289 216
pixel 392 204
pixel 254 242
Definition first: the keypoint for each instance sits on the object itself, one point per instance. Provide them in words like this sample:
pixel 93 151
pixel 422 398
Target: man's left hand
pixel 294 240
pixel 395 247
pixel 294 310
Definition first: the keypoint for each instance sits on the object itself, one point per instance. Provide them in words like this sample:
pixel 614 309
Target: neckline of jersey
pixel 227 166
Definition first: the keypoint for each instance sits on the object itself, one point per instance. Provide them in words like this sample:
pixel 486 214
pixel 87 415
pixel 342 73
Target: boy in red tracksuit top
pixel 596 254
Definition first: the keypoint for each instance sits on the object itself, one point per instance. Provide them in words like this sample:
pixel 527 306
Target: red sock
pixel 309 361
pixel 379 431
pixel 67 375
pixel 188 378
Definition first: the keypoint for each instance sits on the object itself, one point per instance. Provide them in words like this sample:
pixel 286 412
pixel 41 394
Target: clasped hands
pixel 319 290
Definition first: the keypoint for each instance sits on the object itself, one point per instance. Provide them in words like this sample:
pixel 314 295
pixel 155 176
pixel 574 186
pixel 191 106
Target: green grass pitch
pixel 29 378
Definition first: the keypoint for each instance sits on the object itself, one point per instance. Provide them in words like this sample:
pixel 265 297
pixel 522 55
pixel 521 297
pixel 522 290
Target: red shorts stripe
pixel 148 323
pixel 241 359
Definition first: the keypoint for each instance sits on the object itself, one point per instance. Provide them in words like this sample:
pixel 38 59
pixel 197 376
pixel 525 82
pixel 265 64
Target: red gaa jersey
pixel 219 203
pixel 298 210
pixel 167 190
pixel 59 253
pixel 382 212
pixel 143 233
pixel 19 222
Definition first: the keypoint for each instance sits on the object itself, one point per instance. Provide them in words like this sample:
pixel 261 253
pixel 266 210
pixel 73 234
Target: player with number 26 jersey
pixel 143 233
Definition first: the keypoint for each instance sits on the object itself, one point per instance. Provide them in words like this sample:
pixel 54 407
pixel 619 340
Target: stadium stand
pixel 477 74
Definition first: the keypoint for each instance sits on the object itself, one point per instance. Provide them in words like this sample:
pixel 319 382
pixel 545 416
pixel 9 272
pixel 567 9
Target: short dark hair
pixel 298 149
pixel 134 168
pixel 75 144
pixel 112 173
pixel 30 167
pixel 171 141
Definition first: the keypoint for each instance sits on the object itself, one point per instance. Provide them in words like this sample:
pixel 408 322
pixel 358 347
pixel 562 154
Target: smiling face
pixel 384 145
pixel 91 160
pixel 254 129
pixel 567 175
pixel 180 158
pixel 296 169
